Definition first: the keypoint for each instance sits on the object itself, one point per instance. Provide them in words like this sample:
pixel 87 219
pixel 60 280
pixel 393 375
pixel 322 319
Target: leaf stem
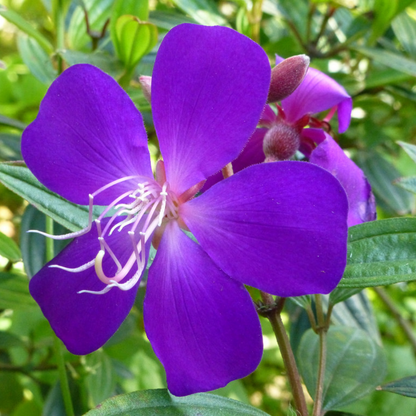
pixel 57 342
pixel 271 309
pixel 322 329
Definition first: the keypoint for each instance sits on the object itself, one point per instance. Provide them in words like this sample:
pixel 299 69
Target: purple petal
pixel 318 92
pixel 330 156
pixel 280 227
pixel 251 155
pixel 209 87
pixel 83 321
pixel 88 133
pixel 202 325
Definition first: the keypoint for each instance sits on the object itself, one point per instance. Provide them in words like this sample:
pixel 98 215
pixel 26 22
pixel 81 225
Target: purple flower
pixel 269 226
pixel 284 133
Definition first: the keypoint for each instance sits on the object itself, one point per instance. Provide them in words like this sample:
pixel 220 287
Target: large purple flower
pixel 279 227
pixel 283 133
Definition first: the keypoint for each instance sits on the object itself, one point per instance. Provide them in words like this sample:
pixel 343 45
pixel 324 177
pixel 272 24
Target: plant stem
pixel 57 342
pixel 403 323
pixel 272 313
pixel 59 18
pixel 255 20
pixel 322 329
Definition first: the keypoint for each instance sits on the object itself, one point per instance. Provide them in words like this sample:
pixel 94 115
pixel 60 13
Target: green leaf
pixel 169 20
pixel 302 301
pixel 14 292
pixel 204 12
pixel 137 8
pixel 335 413
pixel 405 387
pixel 134 39
pixel 101 380
pixel 357 312
pixel 381 253
pixel 9 340
pixel 404 28
pixel 355 365
pixel 340 294
pixel 391 59
pixel 108 63
pixel 36 59
pixel 10 146
pixel 161 402
pixel 7 121
pixel 408 183
pixel 99 11
pixel 384 11
pixel 26 27
pixel 385 77
pixel 21 181
pixel 410 149
pixel 9 249
pixel 33 245
pixel 381 175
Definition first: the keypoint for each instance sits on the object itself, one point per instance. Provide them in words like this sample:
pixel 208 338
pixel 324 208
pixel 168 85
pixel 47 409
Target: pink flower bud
pixel 281 142
pixel 146 83
pixel 287 76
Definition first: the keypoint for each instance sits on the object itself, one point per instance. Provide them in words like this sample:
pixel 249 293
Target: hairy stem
pixel 57 342
pixel 272 312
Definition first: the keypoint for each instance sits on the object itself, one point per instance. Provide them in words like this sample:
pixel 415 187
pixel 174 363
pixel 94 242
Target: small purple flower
pixel 279 227
pixel 284 133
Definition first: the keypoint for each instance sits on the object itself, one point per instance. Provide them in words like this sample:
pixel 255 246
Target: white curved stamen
pixel 74 269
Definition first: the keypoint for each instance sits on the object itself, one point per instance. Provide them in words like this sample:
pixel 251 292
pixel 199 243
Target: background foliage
pixel 369 46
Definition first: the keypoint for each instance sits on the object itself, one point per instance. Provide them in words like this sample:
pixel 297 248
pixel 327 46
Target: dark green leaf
pixel 10 147
pixel 108 63
pixel 391 59
pixel 21 181
pixel 204 12
pixel 357 312
pixel 33 245
pixel 14 292
pixel 340 294
pixel 404 28
pixel 26 27
pixel 9 340
pixel 160 402
pixel 335 413
pixel 101 379
pixel 36 59
pixel 381 175
pixel 381 253
pixel 384 11
pixel 405 386
pixel 9 249
pixel 355 365
pixel 54 403
pixel 385 77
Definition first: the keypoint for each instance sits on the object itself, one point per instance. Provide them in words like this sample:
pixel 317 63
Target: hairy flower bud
pixel 287 76
pixel 146 83
pixel 281 142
